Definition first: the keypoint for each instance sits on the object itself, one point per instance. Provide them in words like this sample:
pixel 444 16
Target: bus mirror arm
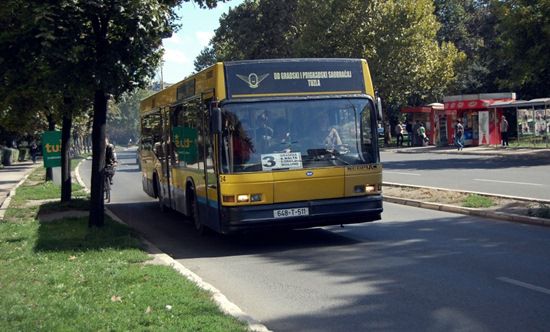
pixel 216 121
pixel 379 108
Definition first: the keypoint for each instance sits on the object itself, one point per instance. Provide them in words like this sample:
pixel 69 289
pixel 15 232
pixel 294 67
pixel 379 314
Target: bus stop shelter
pixel 529 121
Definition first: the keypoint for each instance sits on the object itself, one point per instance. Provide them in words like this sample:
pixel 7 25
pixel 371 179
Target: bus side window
pixel 150 131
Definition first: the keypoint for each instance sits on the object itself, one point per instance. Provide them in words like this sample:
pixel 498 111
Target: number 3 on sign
pixel 268 161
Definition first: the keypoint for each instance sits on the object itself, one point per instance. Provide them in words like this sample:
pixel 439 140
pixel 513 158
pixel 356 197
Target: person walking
pixel 34 151
pixel 399 133
pixel 504 130
pixel 459 135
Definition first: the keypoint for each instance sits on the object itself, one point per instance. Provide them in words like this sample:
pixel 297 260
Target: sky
pixel 197 28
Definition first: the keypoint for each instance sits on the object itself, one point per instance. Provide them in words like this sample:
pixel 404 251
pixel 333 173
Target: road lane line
pixel 402 173
pixel 511 182
pixel 525 285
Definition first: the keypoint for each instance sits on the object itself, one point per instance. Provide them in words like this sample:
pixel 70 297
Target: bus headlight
pixel 370 189
pixel 243 198
pixel 362 188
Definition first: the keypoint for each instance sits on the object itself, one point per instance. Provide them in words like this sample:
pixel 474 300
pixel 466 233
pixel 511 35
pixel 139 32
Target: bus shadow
pixel 495 162
pixel 172 233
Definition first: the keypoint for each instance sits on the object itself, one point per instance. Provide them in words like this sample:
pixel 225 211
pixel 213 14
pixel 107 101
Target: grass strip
pixel 63 275
pixel 477 201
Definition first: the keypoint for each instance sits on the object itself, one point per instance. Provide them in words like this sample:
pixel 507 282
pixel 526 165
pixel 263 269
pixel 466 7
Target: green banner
pixel 51 148
pixel 185 139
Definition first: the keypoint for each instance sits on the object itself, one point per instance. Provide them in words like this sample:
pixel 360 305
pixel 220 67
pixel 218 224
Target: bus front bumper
pixel 320 213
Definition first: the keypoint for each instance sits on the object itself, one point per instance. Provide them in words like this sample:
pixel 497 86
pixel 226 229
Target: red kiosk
pixel 427 115
pixel 481 122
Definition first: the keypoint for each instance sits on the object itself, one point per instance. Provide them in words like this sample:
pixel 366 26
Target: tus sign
pixel 51 148
pixel 185 140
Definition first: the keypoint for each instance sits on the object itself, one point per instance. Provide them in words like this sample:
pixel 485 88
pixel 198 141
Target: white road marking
pixel 402 173
pixel 524 183
pixel 525 285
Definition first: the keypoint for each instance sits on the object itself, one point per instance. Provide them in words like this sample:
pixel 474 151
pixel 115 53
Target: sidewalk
pixel 10 177
pixel 474 150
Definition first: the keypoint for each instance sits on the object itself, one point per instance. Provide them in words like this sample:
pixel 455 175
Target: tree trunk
pixel 51 127
pixel 65 156
pixel 98 159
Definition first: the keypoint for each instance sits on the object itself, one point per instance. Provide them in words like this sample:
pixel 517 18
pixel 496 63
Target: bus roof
pixel 269 78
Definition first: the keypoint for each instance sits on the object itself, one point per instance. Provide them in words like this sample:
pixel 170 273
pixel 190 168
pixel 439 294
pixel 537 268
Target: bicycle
pixel 108 178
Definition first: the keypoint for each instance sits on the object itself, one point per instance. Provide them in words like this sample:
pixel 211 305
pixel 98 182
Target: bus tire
pixel 158 193
pixel 199 226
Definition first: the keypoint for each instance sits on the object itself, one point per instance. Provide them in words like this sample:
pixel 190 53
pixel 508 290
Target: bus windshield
pixel 295 134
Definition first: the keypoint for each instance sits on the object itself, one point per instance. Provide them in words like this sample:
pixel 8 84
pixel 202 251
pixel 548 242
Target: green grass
pixel 65 276
pixel 477 201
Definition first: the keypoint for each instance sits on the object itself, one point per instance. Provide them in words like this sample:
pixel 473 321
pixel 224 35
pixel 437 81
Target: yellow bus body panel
pixel 295 185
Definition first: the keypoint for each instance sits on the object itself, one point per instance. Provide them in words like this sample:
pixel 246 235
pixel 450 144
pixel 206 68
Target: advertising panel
pixel 51 148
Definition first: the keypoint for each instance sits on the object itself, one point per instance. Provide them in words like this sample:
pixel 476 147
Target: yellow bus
pixel 263 144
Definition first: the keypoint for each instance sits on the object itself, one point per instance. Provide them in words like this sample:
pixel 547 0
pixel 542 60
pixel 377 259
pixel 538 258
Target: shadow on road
pixel 492 162
pixel 379 267
pixel 174 234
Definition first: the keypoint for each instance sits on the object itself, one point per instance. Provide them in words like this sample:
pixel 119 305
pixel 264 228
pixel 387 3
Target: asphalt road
pixel 416 270
pixel 520 175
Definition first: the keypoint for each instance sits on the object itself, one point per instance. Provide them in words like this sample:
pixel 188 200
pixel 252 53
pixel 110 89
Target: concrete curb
pixel 4 206
pixel 221 300
pixel 78 178
pixel 469 211
pixel 516 198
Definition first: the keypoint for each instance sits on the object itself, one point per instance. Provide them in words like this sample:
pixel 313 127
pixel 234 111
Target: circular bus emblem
pixel 309 173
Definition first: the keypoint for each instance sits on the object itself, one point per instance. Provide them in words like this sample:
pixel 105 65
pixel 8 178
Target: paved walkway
pixel 10 176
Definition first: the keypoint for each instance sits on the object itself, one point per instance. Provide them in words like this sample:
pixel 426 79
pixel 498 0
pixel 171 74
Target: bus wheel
pixel 159 196
pixel 199 226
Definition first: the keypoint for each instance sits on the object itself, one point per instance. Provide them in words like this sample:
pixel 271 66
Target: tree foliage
pixel 397 37
pixel 85 50
pixel 524 46
pixel 123 116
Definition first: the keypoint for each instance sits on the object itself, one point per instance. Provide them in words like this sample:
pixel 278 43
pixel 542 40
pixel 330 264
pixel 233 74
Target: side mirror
pixel 215 120
pixel 379 108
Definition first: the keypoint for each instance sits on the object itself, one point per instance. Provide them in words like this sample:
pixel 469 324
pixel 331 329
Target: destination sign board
pixel 283 77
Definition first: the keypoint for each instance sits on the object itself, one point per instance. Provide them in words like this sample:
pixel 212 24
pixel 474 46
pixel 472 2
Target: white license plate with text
pixel 286 213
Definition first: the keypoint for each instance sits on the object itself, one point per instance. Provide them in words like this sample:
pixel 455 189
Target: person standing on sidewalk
pixel 416 140
pixel 459 135
pixel 504 130
pixel 423 139
pixel 387 133
pixel 399 133
pixel 409 128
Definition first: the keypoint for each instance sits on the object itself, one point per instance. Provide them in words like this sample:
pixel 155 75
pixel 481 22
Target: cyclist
pixel 110 159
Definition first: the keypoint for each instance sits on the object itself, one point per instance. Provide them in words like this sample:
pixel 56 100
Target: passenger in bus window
pixel 281 134
pixel 264 132
pixel 331 138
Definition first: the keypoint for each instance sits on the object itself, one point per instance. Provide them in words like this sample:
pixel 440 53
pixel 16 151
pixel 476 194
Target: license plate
pixel 286 213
